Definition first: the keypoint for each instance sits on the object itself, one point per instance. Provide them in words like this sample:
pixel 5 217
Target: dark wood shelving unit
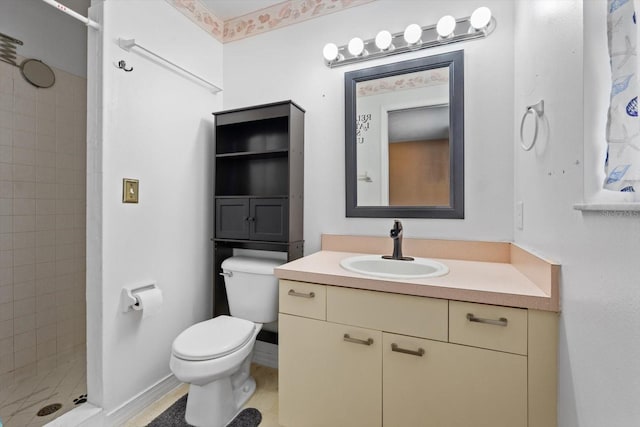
pixel 259 184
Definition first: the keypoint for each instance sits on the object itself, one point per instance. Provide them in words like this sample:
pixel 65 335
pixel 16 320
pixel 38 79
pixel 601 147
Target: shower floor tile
pixel 20 403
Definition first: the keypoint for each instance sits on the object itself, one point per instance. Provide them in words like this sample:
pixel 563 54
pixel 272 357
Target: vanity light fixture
pixel 446 26
pixel 384 40
pixel 480 19
pixel 479 25
pixel 331 52
pixel 412 34
pixel 356 47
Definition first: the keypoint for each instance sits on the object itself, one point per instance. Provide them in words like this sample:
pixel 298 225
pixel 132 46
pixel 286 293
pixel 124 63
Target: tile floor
pixel 265 399
pixel 20 402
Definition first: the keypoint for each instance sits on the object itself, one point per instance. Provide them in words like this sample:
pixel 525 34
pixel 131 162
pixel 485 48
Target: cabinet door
pixel 451 385
pixel 268 220
pixel 232 218
pixel 325 380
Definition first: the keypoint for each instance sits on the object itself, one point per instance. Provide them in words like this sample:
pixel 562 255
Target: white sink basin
pixel 375 265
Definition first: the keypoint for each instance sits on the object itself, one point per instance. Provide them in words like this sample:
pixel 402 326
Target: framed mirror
pixel 404 135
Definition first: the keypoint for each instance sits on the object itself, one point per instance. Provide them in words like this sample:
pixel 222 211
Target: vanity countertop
pixel 484 272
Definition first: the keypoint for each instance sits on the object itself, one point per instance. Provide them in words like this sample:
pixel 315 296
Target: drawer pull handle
pixel 368 341
pixel 419 352
pixel 301 294
pixel 500 322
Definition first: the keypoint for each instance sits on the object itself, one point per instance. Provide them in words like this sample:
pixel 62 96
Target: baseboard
pixel 88 415
pixel 138 403
pixel 265 354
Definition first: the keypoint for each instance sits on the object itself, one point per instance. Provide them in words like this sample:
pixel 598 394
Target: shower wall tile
pixel 23 273
pixel 23 323
pixel 42 230
pixel 6 313
pixel 26 239
pixel 6 190
pixel 6 151
pixel 6 222
pixel 6 138
pixel 24 206
pixel 23 156
pixel 24 106
pixel 6 206
pixel 6 239
pixel 24 190
pixel 6 172
pixel 6 291
pixel 24 223
pixel 44 287
pixel 6 119
pixel 24 298
pixel 25 340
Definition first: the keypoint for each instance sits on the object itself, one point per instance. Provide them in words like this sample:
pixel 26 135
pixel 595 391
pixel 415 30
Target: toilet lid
pixel 212 338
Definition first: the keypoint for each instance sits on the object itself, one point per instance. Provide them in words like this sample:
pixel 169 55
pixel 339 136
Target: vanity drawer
pixel 402 314
pixel 488 326
pixel 303 299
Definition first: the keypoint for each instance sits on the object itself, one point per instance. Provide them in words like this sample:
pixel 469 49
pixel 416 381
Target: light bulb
pixel 480 18
pixel 356 46
pixel 446 26
pixel 383 40
pixel 412 34
pixel 330 52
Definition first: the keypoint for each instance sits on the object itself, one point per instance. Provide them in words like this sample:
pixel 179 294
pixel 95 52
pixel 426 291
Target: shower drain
pixel 49 409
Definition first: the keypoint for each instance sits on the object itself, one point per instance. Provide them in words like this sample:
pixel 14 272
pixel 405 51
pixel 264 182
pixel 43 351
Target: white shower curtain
pixel 622 163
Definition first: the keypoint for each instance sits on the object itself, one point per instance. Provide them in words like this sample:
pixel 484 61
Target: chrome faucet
pixel 396 235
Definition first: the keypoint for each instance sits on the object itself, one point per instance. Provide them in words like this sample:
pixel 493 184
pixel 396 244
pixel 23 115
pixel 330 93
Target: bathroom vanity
pixel 474 347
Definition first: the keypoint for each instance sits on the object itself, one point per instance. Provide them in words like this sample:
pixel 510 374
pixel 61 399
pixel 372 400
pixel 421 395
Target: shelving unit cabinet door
pixel 325 380
pixel 232 218
pixel 451 385
pixel 269 219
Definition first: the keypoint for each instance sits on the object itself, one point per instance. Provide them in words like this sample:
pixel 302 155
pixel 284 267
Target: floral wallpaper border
pixel 407 81
pixel 260 21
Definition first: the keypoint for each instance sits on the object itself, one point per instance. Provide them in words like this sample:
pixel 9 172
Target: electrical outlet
pixel 520 215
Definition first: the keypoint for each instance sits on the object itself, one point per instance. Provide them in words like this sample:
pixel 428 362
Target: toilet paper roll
pixel 149 302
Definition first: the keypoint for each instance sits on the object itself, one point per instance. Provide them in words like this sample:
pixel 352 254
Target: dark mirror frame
pixel 455 62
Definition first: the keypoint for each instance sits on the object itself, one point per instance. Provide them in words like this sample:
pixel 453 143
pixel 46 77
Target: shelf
pixel 253 154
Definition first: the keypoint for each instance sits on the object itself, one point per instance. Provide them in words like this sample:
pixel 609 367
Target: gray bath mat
pixel 174 416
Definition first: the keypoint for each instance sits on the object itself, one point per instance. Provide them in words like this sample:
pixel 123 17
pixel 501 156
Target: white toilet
pixel 214 356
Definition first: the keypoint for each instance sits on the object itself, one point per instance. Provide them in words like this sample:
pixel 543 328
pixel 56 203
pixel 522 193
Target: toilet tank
pixel 252 288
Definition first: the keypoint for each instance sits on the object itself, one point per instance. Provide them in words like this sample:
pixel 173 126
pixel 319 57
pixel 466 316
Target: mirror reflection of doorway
pixel 418 173
pixel 419 156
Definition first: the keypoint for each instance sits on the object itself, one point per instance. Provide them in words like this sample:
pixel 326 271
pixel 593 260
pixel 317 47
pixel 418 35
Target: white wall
pixel 154 125
pixel 287 64
pixel 599 374
pixel 48 34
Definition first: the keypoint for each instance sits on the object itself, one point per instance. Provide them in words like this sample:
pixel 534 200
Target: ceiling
pixel 227 9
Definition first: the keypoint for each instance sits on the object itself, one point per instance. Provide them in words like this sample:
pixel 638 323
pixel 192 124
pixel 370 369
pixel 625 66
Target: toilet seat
pixel 212 338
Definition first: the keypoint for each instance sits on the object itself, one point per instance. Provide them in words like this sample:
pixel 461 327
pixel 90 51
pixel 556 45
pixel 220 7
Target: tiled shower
pixel 42 246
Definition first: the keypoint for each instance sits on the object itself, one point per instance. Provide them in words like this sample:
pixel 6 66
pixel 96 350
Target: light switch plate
pixel 129 190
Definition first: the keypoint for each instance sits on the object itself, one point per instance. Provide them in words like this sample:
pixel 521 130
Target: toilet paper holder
pixel 128 299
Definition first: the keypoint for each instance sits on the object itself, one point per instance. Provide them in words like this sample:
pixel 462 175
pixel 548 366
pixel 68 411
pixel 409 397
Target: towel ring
pixel 537 110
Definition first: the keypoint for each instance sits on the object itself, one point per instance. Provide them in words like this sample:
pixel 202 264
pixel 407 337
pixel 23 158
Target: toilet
pixel 214 356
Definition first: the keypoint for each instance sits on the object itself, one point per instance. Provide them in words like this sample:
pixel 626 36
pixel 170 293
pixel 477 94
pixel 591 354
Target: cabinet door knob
pixel 368 341
pixel 500 322
pixel 419 352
